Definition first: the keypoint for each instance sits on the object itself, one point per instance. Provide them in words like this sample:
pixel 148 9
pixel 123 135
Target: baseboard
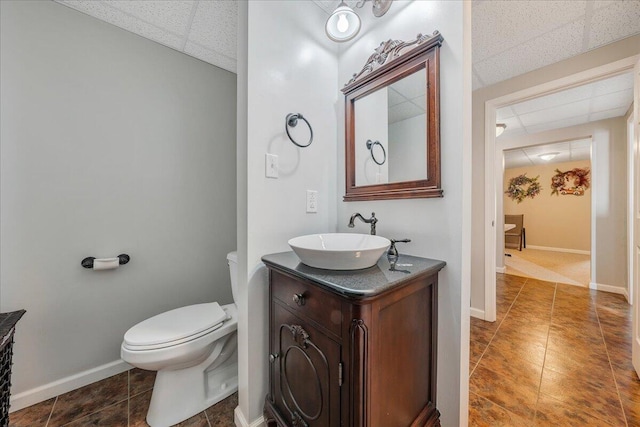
pixel 477 313
pixel 569 251
pixel 625 292
pixel 241 421
pixel 609 288
pixel 501 270
pixel 64 385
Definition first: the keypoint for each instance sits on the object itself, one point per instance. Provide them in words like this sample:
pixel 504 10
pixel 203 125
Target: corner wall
pixel 592 59
pixel 110 143
pixel 435 226
pixel 284 75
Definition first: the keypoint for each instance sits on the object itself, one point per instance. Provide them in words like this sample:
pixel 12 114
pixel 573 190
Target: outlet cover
pixel 271 165
pixel 312 201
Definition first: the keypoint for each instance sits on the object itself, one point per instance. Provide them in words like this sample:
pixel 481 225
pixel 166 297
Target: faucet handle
pixel 392 249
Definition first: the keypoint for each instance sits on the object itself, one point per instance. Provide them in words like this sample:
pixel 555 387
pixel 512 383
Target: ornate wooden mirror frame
pixel 392 61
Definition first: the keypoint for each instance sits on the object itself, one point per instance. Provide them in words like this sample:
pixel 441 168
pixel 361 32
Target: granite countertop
pixel 358 283
pixel 7 323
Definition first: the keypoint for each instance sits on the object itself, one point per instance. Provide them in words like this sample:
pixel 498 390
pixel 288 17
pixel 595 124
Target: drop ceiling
pixel 514 37
pixel 599 100
pixel 509 37
pixel 567 151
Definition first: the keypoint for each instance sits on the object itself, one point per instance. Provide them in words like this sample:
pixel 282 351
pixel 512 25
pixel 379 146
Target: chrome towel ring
pixel 292 120
pixel 370 145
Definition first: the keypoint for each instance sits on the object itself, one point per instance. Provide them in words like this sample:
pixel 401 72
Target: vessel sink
pixel 339 251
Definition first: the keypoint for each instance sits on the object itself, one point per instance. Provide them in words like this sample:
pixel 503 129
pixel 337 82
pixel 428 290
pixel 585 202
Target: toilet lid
pixel 176 324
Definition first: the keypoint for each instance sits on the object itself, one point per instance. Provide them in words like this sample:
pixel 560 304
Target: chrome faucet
pixel 373 220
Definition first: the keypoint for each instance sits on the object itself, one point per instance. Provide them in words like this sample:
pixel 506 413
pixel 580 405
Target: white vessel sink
pixel 339 251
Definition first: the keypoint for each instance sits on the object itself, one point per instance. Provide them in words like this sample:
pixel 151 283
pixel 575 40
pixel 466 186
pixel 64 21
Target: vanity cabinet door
pixel 305 371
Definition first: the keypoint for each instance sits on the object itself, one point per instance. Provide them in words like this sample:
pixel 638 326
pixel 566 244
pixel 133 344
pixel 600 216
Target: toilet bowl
pixel 194 350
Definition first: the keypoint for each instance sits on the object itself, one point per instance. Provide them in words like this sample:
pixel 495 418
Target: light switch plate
pixel 312 201
pixel 271 165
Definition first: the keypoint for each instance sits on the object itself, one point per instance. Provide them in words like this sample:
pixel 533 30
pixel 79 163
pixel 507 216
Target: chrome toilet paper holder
pixel 88 261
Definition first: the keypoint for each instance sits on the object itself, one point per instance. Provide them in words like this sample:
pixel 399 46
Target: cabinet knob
pixel 299 299
pixel 273 357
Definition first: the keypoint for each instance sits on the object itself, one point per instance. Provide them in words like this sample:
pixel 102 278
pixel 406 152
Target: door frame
pixel 630 202
pixel 491 165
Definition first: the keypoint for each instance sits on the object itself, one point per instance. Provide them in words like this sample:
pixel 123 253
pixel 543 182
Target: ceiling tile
pixel 608 114
pixel 578 144
pixel 394 97
pixel 403 111
pixel 537 150
pixel 622 99
pixel 170 15
pixel 551 47
pixel 330 5
pixel 559 98
pixel 413 85
pixel 559 124
pixel 511 133
pixel 504 113
pixel 512 124
pixel 420 102
pixel 614 20
pixel 499 25
pixel 105 12
pixel 614 84
pixel 556 113
pixel 214 26
pixel 211 57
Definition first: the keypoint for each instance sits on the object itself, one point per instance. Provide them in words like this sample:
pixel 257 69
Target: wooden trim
pixel 426 55
pixel 429 416
pixel 359 385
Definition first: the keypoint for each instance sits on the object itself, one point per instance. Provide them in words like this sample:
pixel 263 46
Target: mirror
pixel 392 123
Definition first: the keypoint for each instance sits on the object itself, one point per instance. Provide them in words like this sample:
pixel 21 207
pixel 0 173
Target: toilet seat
pixel 175 327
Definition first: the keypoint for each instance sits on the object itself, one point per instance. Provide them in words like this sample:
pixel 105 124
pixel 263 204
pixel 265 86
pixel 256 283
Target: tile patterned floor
pixel 118 401
pixel 558 355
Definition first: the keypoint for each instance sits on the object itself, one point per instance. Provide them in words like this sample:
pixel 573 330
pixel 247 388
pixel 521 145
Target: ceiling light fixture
pixel 344 24
pixel 500 127
pixel 548 156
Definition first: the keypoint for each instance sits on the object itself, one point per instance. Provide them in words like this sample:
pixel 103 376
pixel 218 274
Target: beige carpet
pixel 560 267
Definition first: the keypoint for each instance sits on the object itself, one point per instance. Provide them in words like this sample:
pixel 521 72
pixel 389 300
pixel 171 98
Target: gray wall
pixel 109 143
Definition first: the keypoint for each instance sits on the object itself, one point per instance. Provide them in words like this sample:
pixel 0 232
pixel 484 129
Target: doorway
pixel 547 196
pixel 494 165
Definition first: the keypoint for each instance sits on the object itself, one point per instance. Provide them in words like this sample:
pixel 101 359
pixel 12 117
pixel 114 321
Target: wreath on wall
pixel 573 182
pixel 521 187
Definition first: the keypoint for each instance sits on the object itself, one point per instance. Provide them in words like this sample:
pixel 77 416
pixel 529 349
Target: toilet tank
pixel 232 261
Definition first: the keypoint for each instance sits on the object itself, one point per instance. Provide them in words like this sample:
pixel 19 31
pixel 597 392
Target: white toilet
pixel 194 350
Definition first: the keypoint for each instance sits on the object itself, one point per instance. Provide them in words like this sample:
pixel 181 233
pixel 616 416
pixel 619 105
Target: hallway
pixel 557 355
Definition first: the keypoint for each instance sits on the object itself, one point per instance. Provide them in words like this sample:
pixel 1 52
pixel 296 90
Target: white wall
pixel 434 225
pixel 291 68
pixel 110 143
pixel 407 151
pixel 594 58
pixel 609 189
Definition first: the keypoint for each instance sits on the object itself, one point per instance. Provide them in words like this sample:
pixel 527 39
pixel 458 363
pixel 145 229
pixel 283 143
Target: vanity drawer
pixel 308 300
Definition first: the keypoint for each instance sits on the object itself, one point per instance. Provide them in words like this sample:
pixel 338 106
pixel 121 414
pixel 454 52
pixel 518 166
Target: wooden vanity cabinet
pixel 339 359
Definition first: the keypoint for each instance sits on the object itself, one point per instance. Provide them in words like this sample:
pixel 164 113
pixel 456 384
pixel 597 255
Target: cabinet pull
pixel 340 374
pixel 299 299
pixel 273 357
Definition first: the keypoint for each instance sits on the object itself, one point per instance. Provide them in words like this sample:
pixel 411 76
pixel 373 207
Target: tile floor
pixel 558 355
pixel 118 401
